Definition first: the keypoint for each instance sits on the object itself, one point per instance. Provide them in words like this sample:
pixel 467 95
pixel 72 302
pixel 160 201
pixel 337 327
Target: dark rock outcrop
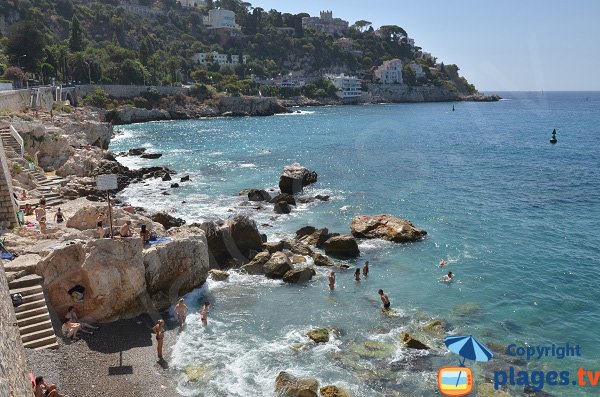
pixel 168 221
pixel 288 198
pixel 282 208
pixel 386 227
pixel 299 275
pixel 342 247
pixel 256 265
pixel 258 195
pixel 151 156
pixel 412 343
pixel 319 335
pixel 136 151
pixel 295 177
pixel 277 266
pixel 288 385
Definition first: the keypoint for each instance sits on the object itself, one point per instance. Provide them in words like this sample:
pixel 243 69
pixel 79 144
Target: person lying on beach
pixel 72 316
pixel 44 390
pixel 357 274
pixel 125 230
pixel 181 311
pixel 70 329
pixel 331 280
pixel 366 269
pixel 442 263
pixel 160 335
pixel 204 314
pixel 447 277
pixel 145 234
pixel 385 300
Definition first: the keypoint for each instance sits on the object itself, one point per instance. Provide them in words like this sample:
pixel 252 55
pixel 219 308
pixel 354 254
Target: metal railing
pixel 17 137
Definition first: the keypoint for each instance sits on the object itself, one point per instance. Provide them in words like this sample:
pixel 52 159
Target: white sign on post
pixel 106 182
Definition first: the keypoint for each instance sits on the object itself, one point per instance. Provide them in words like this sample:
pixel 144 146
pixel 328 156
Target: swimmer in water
pixel 385 300
pixel 366 269
pixel 448 277
pixel 331 281
pixel 357 274
pixel 442 263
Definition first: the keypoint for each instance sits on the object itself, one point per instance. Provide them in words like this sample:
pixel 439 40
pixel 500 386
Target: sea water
pixel 517 219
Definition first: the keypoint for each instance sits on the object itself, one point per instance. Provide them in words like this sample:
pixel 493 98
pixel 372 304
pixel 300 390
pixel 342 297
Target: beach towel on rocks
pixel 158 240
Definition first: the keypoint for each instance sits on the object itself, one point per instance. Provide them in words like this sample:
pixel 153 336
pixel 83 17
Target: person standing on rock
pixel 40 211
pixel 204 314
pixel 125 230
pixel 331 281
pixel 58 217
pixel 385 300
pixel 160 335
pixel 181 311
pixel 366 269
pixel 357 274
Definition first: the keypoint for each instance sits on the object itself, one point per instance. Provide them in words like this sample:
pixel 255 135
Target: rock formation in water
pixel 386 227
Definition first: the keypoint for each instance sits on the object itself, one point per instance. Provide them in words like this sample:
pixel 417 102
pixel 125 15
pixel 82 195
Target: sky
pixel 499 45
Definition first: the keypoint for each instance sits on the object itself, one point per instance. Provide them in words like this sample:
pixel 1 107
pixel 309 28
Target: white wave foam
pixel 247 165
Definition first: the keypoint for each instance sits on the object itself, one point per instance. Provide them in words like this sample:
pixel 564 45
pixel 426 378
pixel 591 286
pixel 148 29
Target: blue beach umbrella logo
pixel 458 381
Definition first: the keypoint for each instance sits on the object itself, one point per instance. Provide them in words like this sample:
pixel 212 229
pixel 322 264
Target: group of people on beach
pixel 40 213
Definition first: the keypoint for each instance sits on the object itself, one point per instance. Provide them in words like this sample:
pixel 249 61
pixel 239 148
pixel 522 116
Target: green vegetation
pixel 104 42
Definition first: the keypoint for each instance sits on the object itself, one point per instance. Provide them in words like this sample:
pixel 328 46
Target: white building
pixel 348 86
pixel 326 23
pixel 226 60
pixel 220 19
pixel 418 69
pixel 390 72
pixel 191 3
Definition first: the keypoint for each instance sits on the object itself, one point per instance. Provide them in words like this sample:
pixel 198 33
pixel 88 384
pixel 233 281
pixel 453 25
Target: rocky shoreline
pixel 186 108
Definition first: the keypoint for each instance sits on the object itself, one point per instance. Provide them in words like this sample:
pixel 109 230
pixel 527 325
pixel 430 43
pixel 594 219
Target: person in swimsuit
pixel 145 234
pixel 40 211
pixel 366 269
pixel 385 300
pixel 447 278
pixel 99 230
pixel 331 280
pixel 442 263
pixel 71 328
pixel 160 335
pixel 357 274
pixel 44 390
pixel 204 314
pixel 72 316
pixel 181 311
pixel 58 217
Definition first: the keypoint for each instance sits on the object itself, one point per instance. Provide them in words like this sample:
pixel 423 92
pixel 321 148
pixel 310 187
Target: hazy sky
pixel 498 44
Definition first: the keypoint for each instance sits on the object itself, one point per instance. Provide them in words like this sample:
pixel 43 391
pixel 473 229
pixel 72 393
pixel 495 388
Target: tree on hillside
pixel 393 32
pixel 361 25
pixel 14 74
pixel 76 39
pixel 25 46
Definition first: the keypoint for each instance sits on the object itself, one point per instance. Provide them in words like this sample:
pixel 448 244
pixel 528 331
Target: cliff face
pixel 402 93
pixel 250 106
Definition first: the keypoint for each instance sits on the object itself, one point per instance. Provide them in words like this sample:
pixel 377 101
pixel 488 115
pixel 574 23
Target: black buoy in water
pixel 553 139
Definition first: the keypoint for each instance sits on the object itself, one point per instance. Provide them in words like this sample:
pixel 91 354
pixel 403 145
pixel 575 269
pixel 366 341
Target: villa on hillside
pixel 135 7
pixel 418 69
pixel 220 19
pixel 326 23
pixel 390 72
pixel 348 86
pixel 191 3
pixel 223 60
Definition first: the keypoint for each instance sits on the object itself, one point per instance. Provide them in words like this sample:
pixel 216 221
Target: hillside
pixel 152 42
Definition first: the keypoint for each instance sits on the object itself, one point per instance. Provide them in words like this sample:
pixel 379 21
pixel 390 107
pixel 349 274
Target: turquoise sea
pixel 518 220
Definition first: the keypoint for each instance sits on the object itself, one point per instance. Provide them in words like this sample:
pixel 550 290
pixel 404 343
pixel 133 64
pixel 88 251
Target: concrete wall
pixel 14 380
pixel 13 101
pixel 404 93
pixel 130 91
pixel 8 208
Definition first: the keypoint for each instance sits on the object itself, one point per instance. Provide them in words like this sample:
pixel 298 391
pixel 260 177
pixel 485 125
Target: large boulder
pixel 288 385
pixel 334 391
pixel 111 271
pixel 386 227
pixel 258 195
pixel 300 248
pixel 282 208
pixel 233 243
pixel 319 335
pixel 256 265
pixel 316 238
pixel 288 198
pixel 295 177
pixel 168 221
pixel 277 266
pixel 218 275
pixel 342 247
pixel 322 260
pixel 299 275
pixel 175 268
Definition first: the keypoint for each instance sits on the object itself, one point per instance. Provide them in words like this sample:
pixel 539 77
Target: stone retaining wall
pixel 13 101
pixel 130 91
pixel 14 379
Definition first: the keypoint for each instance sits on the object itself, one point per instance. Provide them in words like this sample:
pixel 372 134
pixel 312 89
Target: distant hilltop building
pixel 390 72
pixel 220 19
pixel 418 69
pixel 326 23
pixel 135 7
pixel 223 60
pixel 191 3
pixel 348 86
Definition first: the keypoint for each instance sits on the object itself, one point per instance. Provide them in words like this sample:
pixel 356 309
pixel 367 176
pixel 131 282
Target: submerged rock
pixel 342 246
pixel 151 156
pixel 282 207
pixel 412 343
pixel 319 335
pixel 295 177
pixel 374 349
pixel 334 391
pixel 277 266
pixel 299 275
pixel 137 151
pixel 386 227
pixel 437 327
pixel 288 198
pixel 288 385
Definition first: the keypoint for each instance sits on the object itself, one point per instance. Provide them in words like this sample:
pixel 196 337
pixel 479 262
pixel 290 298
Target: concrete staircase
pixel 33 317
pixel 11 146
